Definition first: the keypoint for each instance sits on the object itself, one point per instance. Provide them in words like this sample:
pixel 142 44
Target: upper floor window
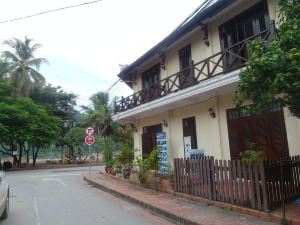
pixel 186 76
pixel 251 22
pixel 151 76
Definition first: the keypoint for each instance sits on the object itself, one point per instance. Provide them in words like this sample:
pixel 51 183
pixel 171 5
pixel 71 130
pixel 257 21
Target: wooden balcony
pixel 220 63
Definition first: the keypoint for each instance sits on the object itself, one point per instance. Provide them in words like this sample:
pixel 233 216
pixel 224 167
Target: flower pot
pixel 167 185
pixel 126 173
pixel 108 170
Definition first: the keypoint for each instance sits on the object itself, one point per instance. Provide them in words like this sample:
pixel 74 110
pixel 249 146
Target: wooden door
pixel 149 138
pixel 266 130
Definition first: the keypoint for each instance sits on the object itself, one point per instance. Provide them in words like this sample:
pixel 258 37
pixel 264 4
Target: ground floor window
pixel 189 134
pixel 266 130
pixel 149 138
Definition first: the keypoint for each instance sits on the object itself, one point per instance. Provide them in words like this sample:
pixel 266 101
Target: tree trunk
pixel 21 153
pixel 35 154
pixel 62 154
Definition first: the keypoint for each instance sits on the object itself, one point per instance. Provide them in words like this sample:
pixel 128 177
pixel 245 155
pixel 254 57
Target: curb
pixel 182 220
pixel 152 208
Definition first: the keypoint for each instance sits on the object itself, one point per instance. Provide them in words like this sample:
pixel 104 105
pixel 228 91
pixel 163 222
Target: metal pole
pixel 89 160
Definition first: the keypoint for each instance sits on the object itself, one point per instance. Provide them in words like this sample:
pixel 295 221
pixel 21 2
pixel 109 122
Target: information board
pixel 161 143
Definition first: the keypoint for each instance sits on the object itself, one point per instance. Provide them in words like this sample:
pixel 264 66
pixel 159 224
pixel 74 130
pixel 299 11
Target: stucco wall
pixel 199 50
pixel 212 133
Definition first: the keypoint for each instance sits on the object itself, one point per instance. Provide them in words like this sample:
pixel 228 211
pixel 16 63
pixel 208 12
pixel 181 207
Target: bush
pixel 251 156
pixel 153 160
pixel 7 165
pixel 126 156
pixel 107 154
pixel 143 165
pixel 170 173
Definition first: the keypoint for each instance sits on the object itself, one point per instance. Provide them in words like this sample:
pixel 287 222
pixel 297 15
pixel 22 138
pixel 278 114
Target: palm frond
pixel 9 56
pixel 37 77
pixel 37 62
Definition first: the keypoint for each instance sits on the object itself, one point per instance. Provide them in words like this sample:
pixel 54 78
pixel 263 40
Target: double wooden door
pixel 266 130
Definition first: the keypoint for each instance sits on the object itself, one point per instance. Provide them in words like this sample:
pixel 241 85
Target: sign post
pixel 89 140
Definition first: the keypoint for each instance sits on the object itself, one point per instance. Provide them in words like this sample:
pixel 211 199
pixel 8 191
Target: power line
pixel 50 11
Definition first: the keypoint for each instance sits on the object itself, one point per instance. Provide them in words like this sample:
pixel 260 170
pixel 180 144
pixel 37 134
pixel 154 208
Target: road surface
pixel 61 197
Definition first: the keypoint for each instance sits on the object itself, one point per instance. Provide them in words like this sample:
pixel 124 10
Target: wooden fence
pixel 231 181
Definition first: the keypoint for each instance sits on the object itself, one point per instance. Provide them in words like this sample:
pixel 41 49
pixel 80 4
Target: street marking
pixel 57 175
pixel 60 181
pixel 55 179
pixel 36 212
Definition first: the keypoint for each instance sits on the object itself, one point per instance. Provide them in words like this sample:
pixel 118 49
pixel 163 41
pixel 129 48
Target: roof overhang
pixel 127 73
pixel 217 86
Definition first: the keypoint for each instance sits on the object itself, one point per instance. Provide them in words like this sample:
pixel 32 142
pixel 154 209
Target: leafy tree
pixel 273 70
pixel 75 140
pixel 99 115
pixel 55 100
pixel 24 123
pixel 23 66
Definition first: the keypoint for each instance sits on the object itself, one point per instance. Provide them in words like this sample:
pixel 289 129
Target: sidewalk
pixel 178 209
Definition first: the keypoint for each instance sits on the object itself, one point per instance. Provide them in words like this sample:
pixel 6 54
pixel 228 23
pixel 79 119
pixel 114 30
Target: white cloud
pixel 85 45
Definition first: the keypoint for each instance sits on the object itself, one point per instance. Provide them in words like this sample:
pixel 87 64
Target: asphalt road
pixel 61 197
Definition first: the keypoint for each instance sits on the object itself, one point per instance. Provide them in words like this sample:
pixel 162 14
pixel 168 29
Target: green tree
pixel 273 70
pixel 23 66
pixel 75 141
pixel 24 123
pixel 99 115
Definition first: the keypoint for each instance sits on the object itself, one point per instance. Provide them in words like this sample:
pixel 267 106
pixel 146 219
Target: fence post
pixel 209 178
pixel 263 185
pixel 175 174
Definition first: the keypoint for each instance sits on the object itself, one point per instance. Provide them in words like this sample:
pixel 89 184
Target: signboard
pixel 161 143
pixel 187 141
pixel 89 140
pixel 89 131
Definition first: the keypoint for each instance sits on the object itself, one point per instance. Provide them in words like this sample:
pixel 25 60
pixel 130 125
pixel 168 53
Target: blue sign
pixel 161 143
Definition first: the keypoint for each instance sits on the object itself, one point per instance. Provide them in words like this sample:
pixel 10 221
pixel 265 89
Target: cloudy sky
pixel 85 45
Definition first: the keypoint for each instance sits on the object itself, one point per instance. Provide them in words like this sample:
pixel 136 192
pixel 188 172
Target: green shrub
pixel 126 156
pixel 153 160
pixel 107 154
pixel 251 156
pixel 170 173
pixel 143 165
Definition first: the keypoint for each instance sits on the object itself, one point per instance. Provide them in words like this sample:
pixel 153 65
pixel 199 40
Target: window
pixel 186 77
pixel 189 130
pixel 151 76
pixel 251 22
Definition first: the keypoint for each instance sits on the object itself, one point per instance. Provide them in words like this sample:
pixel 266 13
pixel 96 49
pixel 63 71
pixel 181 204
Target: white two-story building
pixel 184 86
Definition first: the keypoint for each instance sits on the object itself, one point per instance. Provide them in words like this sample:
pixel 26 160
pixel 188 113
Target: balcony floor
pixel 216 86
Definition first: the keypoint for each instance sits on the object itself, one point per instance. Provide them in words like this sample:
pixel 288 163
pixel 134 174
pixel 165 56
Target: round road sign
pixel 89 140
pixel 89 131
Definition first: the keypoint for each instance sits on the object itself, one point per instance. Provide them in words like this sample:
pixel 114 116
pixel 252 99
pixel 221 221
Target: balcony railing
pixel 220 63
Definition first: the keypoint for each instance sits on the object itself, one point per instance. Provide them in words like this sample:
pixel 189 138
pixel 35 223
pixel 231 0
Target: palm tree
pixel 3 69
pixel 23 65
pixel 99 115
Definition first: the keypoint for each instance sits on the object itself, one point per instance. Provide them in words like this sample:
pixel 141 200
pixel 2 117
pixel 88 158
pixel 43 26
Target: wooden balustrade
pixel 220 63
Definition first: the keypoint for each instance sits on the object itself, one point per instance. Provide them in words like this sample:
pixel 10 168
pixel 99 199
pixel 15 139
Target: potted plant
pixel 125 158
pixel 126 170
pixel 153 166
pixel 167 182
pixel 142 168
pixel 108 156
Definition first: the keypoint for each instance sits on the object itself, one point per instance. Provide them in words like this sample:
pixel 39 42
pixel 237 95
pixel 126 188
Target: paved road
pixel 61 197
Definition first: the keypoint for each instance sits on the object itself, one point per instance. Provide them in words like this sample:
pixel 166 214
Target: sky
pixel 85 46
